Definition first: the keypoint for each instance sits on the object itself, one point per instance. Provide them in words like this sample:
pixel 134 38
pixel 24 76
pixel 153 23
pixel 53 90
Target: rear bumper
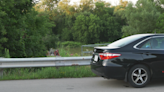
pixel 109 72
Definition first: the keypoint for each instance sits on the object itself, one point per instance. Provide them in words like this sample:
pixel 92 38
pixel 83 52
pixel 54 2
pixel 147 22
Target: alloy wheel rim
pixel 139 76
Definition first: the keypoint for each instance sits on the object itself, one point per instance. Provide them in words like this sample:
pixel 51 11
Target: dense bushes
pixel 89 22
pixel 146 16
pixel 22 29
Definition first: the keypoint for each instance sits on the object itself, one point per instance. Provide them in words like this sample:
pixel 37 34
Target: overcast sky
pixel 113 2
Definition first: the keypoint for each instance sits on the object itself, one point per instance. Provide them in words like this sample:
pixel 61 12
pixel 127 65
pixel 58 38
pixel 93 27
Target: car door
pixel 153 54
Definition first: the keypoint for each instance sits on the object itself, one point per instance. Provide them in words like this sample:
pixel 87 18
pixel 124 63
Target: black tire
pixel 139 76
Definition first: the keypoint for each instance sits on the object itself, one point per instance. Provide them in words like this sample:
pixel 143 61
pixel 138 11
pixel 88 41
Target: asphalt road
pixel 93 84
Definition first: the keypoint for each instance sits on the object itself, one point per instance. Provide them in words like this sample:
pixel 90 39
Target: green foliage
pixel 86 5
pixel 86 28
pixel 7 54
pixel 89 23
pixel 109 25
pixel 59 21
pixel 51 40
pixel 67 31
pixel 70 44
pixel 160 24
pixel 22 29
pixel 158 4
pixel 3 31
pixel 141 18
pixel 37 30
pixel 12 24
pixel 64 52
pixel 49 72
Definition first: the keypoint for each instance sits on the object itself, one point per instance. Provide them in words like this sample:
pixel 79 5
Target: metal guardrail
pixel 43 62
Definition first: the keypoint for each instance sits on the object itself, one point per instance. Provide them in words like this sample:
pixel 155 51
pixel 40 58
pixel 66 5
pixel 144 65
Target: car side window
pixel 146 45
pixel 153 43
pixel 162 43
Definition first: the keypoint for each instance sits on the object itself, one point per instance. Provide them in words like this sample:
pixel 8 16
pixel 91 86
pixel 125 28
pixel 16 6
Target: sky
pixel 113 2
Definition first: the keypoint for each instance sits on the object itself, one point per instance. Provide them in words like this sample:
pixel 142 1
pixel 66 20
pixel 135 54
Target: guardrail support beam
pixel 42 62
pixel 1 73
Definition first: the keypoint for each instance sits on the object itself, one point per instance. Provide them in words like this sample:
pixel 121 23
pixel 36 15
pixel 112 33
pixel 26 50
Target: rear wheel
pixel 139 76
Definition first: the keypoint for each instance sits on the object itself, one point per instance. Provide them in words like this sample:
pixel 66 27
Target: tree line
pixel 22 29
pixel 89 22
pixel 29 28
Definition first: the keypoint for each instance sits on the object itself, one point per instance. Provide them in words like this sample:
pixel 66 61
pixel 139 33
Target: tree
pixel 160 23
pixel 66 8
pixel 47 6
pixel 35 41
pixel 86 28
pixel 141 18
pixel 22 29
pixel 119 8
pixel 86 5
pixel 67 31
pixel 110 25
pixel 3 32
pixel 95 19
pixel 159 5
pixel 13 22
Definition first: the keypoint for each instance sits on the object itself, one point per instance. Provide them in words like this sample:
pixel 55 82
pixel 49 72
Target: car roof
pixel 150 34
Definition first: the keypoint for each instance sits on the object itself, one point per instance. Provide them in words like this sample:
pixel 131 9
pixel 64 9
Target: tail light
pixel 104 56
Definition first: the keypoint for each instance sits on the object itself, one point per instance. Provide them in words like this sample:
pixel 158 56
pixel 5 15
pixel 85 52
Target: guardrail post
pixel 82 50
pixel 1 72
pixel 57 67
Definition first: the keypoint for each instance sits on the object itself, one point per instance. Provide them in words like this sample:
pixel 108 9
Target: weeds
pixel 48 72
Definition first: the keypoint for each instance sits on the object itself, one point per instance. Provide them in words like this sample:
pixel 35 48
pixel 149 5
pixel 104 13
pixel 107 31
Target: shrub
pixel 70 44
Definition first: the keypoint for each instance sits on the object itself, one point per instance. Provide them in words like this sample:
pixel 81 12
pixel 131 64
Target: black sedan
pixel 136 59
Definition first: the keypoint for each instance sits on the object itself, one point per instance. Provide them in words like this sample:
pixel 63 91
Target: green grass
pixel 48 72
pixel 51 72
pixel 73 52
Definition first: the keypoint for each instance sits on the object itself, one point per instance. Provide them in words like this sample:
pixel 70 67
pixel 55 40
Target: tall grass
pixel 69 52
pixel 48 72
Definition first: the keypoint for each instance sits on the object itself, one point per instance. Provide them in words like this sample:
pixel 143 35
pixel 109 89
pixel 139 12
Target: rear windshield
pixel 126 40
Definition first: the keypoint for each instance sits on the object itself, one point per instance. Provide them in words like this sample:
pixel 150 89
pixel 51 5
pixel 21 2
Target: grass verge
pixel 48 72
